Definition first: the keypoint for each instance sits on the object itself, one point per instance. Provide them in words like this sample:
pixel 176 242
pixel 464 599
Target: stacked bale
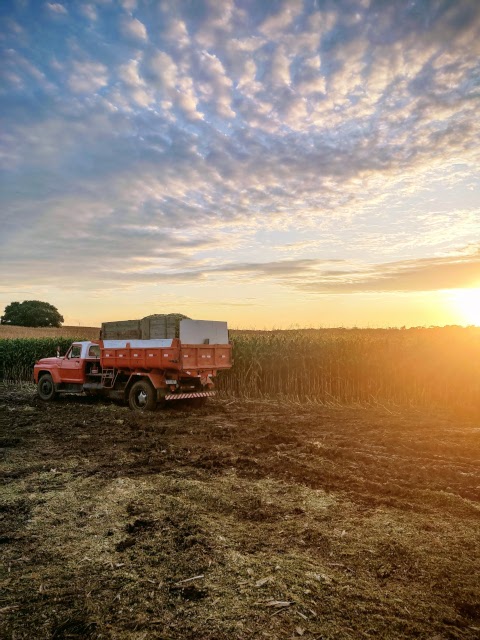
pixel 157 325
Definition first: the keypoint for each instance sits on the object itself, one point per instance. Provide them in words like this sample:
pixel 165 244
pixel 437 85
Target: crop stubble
pixel 239 520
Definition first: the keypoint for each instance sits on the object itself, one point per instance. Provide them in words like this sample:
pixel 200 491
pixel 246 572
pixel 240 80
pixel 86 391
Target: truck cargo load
pixel 158 325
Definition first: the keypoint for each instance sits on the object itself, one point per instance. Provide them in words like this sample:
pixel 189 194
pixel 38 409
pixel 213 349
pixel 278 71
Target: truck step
pixel 108 378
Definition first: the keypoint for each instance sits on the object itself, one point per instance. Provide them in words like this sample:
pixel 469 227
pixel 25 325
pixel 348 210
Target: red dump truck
pixel 141 372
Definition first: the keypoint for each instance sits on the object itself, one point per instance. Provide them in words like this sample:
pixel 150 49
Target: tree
pixel 32 313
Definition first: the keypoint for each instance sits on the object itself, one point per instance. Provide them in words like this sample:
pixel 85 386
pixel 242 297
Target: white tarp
pixel 203 332
pixel 137 344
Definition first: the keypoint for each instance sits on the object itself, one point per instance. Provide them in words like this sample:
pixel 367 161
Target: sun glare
pixel 467 302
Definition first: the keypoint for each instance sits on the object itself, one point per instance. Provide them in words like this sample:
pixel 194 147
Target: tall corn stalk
pixel 417 367
pixel 18 356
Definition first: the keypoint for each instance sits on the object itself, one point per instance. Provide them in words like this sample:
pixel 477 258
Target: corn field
pixel 416 367
pixel 18 355
pixel 434 367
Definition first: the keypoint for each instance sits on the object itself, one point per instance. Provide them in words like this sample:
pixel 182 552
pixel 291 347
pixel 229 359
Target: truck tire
pixel 46 387
pixel 142 397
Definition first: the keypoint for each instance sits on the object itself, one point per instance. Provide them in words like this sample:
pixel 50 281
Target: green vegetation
pixel 18 355
pixel 418 367
pixel 32 313
pixel 434 367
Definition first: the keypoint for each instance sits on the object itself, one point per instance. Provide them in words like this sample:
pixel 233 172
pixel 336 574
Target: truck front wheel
pixel 46 387
pixel 142 397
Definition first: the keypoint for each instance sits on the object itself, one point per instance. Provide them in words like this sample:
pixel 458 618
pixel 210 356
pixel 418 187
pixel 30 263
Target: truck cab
pixel 79 361
pixel 66 374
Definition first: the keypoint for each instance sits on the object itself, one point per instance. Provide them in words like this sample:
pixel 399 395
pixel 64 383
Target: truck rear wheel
pixel 142 397
pixel 46 387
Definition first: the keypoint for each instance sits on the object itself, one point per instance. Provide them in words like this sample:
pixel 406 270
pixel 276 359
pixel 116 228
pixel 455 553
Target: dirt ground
pixel 237 520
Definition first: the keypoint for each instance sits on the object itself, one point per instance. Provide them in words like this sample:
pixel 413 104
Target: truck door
pixel 71 368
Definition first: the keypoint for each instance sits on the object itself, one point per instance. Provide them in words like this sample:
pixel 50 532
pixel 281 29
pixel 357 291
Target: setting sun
pixel 467 302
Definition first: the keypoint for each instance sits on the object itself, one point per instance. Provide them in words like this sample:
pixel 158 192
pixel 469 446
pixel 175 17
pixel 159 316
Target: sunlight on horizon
pixel 467 301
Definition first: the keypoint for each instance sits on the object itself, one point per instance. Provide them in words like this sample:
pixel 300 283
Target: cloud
pixel 338 277
pixel 309 78
pixel 140 251
pixel 55 7
pixel 280 69
pixel 426 274
pixel 89 11
pixel 88 77
pixel 137 87
pixel 133 28
pixel 164 70
pixel 129 73
pixel 346 131
pixel 175 86
pixel 217 23
pixel 177 34
pixel 278 22
pixel 129 5
pixel 214 85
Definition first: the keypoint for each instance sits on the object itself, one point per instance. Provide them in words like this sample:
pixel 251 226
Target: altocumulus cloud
pixel 327 121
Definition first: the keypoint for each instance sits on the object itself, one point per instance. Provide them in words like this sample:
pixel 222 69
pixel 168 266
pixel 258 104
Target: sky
pixel 274 164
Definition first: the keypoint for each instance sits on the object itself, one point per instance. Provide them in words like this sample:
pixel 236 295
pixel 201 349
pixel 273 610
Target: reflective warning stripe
pixel 182 396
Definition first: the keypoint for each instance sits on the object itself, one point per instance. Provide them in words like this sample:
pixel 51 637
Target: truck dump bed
pixel 167 354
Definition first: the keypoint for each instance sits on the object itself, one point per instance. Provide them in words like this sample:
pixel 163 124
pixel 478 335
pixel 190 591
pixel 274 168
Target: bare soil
pixel 237 520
